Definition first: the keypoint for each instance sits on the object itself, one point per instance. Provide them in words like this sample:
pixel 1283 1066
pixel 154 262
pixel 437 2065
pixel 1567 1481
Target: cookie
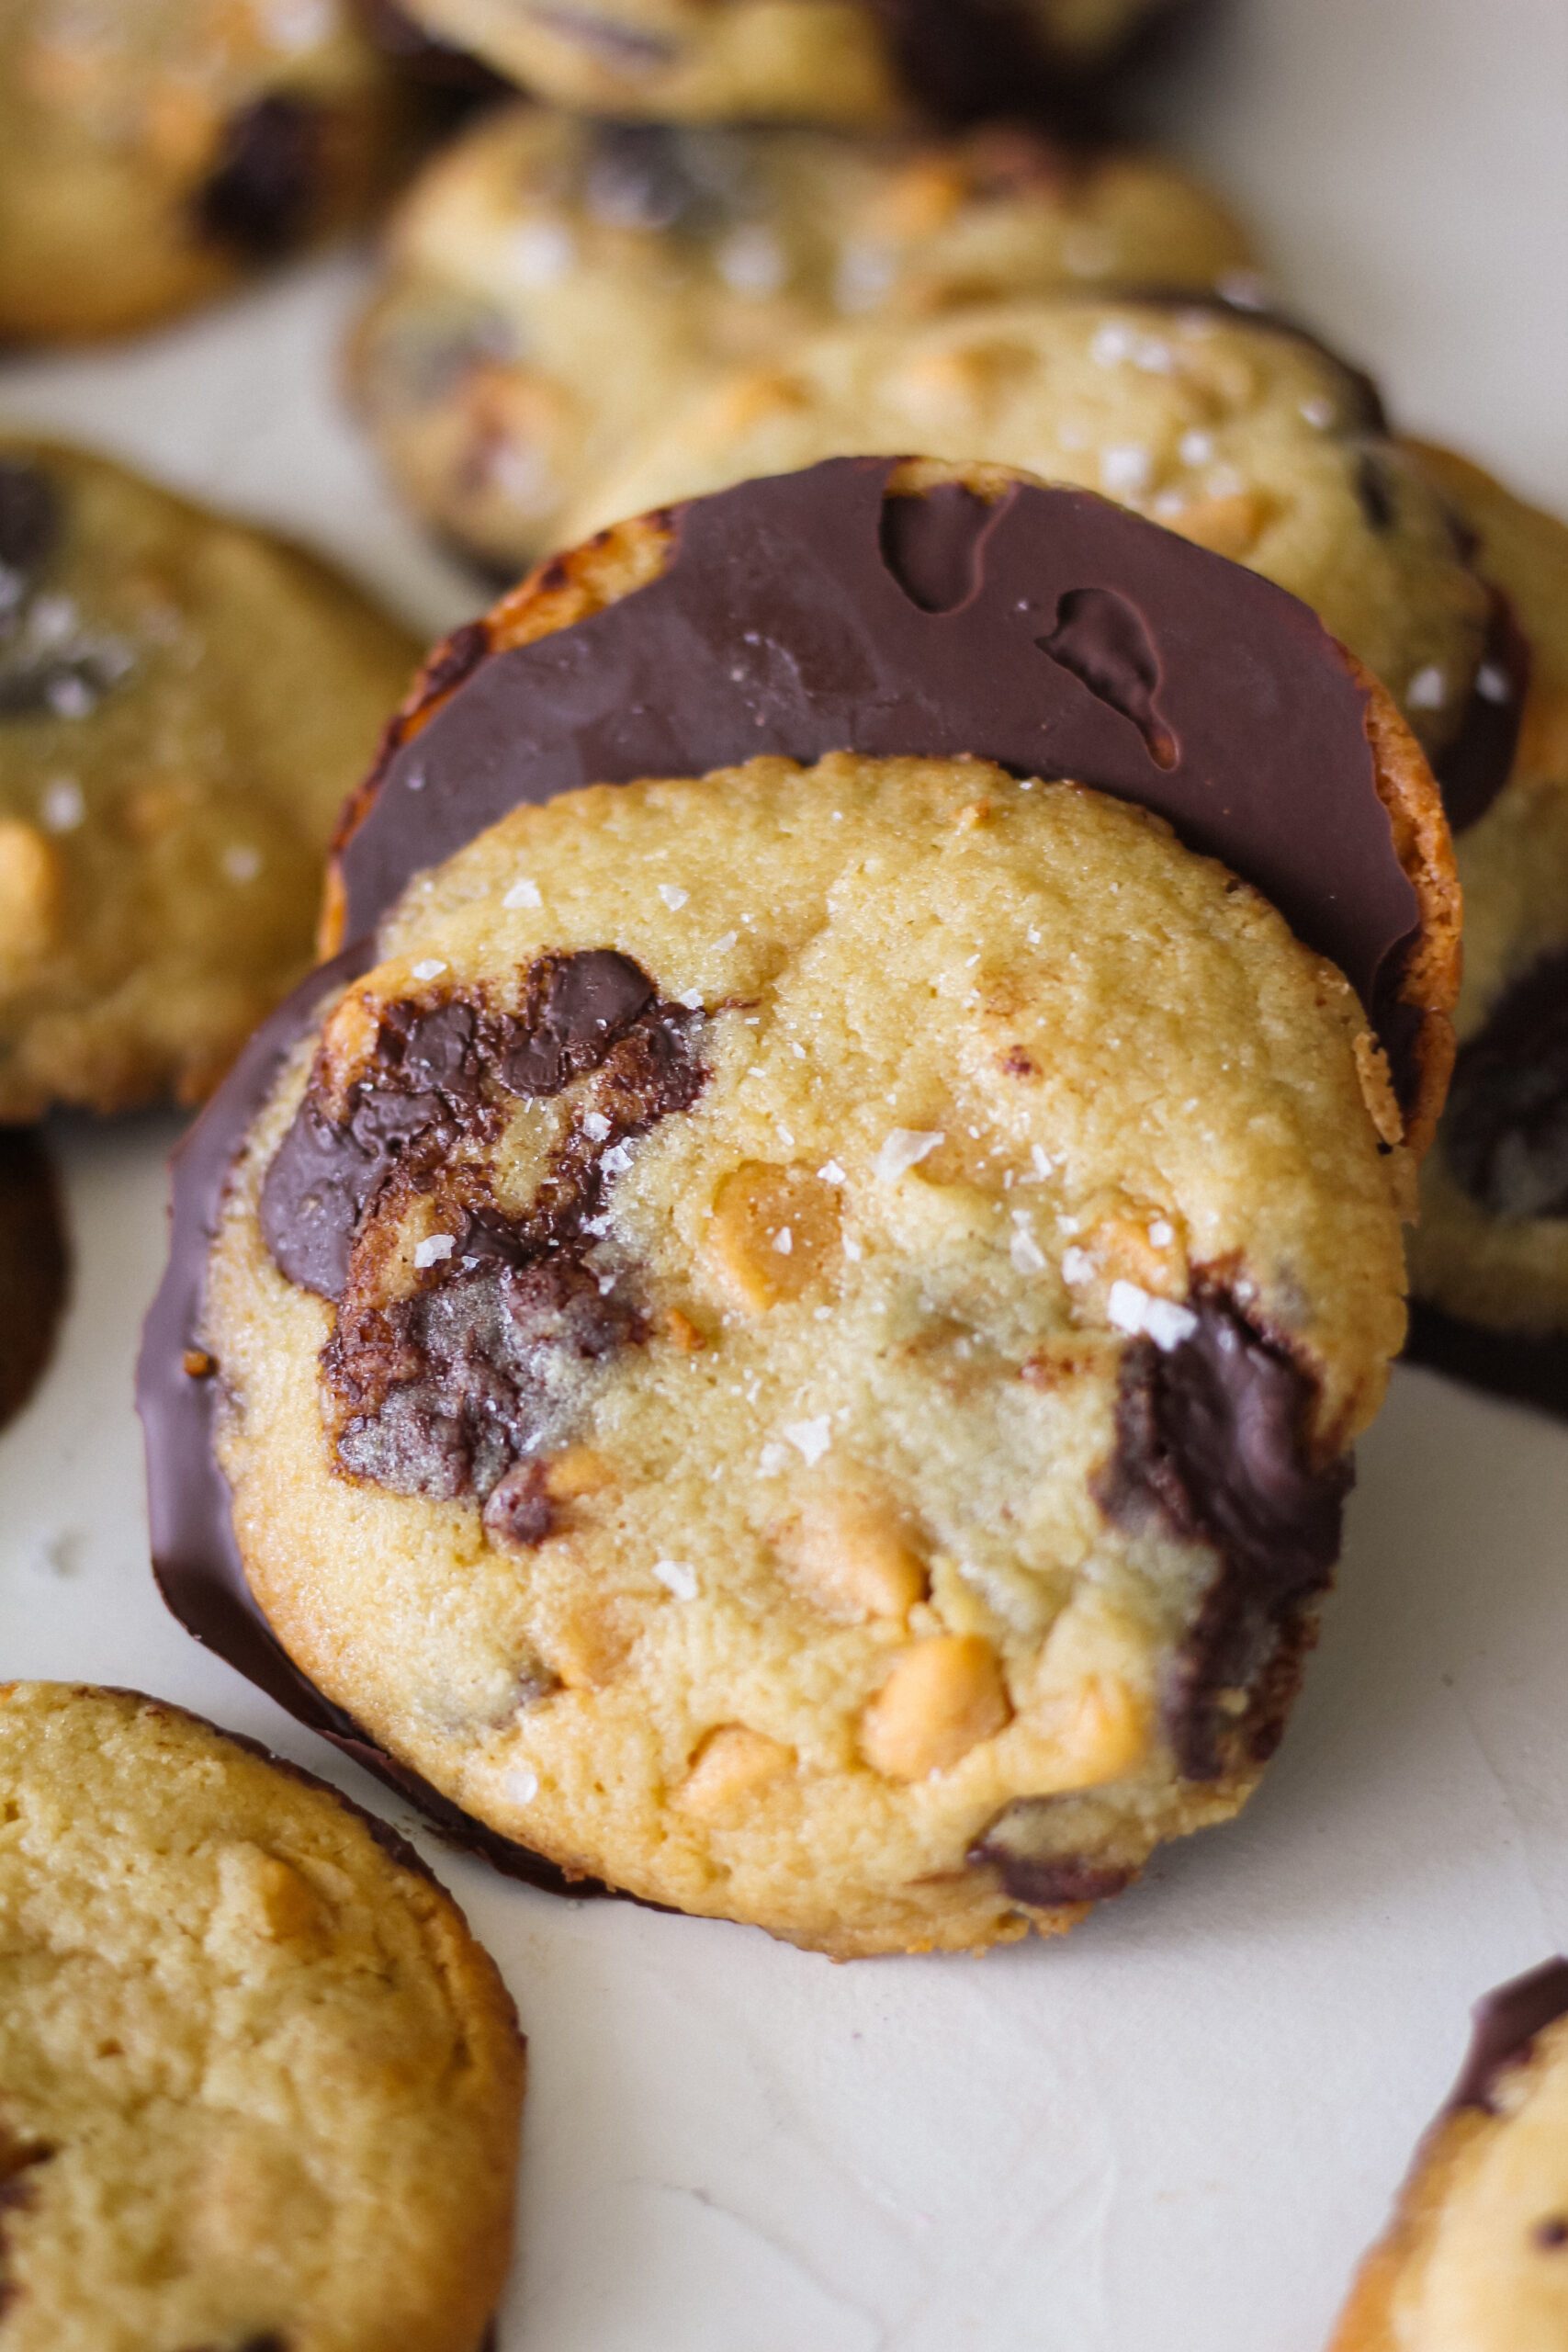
pixel 552 284
pixel 1233 429
pixel 1476 2257
pixel 852 64
pixel 184 702
pixel 1489 1259
pixel 34 1266
pixel 749 1348
pixel 151 156
pixel 259 2086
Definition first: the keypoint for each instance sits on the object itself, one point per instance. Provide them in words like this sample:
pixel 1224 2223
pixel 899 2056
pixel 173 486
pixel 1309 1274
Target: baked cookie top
pixel 184 702
pixel 552 281
pixel 1476 2258
pixel 1231 428
pixel 852 64
pixel 701 1332
pixel 150 156
pixel 258 2085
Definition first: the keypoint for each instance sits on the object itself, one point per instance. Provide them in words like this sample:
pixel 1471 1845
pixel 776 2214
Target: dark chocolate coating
pixel 1505 2024
pixel 779 625
pixel 1525 1368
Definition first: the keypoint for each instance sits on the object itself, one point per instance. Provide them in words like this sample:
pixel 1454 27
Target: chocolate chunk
pixel 1019 1846
pixel 326 1173
pixel 30 523
pixel 640 175
pixel 1551 2233
pixel 777 627
pixel 1505 2024
pixel 1506 1130
pixel 19 2159
pixel 1472 767
pixel 1375 491
pixel 261 193
pixel 1213 1439
pixel 578 1006
pixel 1106 646
pixel 519 1511
pixel 35 1267
pixel 934 546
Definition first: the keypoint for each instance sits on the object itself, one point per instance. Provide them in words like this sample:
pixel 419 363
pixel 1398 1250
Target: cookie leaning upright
pixel 1475 2258
pixel 184 702
pixel 258 2084
pixel 855 64
pixel 789 1337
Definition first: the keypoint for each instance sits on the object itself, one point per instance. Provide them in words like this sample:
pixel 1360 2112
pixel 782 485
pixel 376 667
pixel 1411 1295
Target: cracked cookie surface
pixel 259 2088
pixel 184 703
pixel 758 1355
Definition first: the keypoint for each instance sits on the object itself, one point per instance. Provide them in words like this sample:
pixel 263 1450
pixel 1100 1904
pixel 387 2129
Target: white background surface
pixel 1174 2132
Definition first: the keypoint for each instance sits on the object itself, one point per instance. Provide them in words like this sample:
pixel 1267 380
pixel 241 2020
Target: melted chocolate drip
pixel 1102 640
pixel 1505 1132
pixel 1505 2024
pixel 261 193
pixel 777 626
pixel 35 1267
pixel 1214 1437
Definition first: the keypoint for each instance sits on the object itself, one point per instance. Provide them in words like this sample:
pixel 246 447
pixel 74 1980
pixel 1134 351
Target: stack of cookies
pixel 811 1141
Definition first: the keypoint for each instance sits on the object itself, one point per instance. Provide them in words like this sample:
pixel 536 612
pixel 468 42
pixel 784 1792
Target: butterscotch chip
pixel 731 1763
pixel 852 1557
pixel 774 1233
pixel 184 703
pixel 941 1697
pixel 258 2084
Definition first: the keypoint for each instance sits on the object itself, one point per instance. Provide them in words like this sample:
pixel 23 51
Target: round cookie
pixel 151 156
pixel 258 2085
pixel 1489 1258
pixel 782 1400
pixel 1476 2257
pixel 553 283
pixel 1231 428
pixel 852 64
pixel 184 702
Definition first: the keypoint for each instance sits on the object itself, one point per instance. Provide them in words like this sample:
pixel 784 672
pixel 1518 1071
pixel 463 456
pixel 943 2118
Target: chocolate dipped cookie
pixel 860 65
pixel 552 283
pixel 152 155
pixel 35 1265
pixel 733 1335
pixel 1475 2258
pixel 1489 1264
pixel 1232 427
pixel 259 2086
pixel 184 703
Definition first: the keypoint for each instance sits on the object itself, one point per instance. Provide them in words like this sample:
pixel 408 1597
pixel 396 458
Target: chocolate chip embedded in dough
pixel 1505 1132
pixel 1505 2025
pixel 1021 1846
pixel 261 193
pixel 31 520
pixel 519 1511
pixel 578 1006
pixel 1214 1436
